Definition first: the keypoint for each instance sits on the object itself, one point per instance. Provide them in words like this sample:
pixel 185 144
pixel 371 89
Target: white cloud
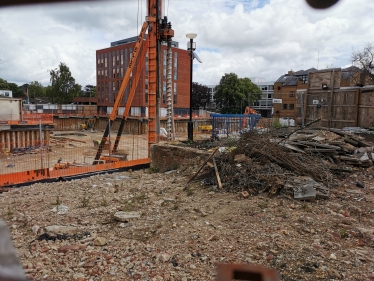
pixel 251 38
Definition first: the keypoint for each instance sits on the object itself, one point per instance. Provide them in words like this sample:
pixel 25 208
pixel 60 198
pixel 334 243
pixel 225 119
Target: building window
pixel 106 74
pixel 175 66
pixel 164 92
pixel 121 72
pixel 269 96
pixel 113 60
pixel 164 72
pixel 291 106
pixel 292 94
pixel 98 74
pixel 146 63
pixel 106 61
pixel 146 90
pixel 284 106
pixel 114 73
pixel 175 93
pixel 98 62
pixel 271 88
pixel 121 58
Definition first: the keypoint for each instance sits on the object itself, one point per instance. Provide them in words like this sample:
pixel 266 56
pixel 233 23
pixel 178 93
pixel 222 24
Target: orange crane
pixel 158 30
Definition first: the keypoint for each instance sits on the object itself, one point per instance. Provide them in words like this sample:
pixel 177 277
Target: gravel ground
pixel 182 231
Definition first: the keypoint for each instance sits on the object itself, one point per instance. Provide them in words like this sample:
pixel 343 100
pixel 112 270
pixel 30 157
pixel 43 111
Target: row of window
pixel 288 106
pixel 118 61
pixel 102 90
pixel 117 57
pixel 266 87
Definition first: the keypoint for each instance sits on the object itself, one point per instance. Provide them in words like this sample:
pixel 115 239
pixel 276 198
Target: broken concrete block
pixel 125 216
pixel 60 230
pixel 305 192
pixel 100 241
pixel 304 188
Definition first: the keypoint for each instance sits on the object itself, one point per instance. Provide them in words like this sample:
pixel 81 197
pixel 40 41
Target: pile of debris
pixel 336 145
pixel 302 164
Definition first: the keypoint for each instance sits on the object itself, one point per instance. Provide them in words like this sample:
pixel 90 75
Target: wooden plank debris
pixel 217 173
pixel 205 162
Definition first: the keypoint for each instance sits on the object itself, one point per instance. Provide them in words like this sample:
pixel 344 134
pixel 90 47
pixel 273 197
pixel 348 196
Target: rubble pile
pixel 336 145
pixel 303 164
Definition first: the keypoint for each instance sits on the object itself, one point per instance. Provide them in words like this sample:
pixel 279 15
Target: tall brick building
pixel 111 66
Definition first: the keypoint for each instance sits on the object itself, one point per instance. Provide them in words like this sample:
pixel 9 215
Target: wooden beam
pixel 202 166
pixel 217 173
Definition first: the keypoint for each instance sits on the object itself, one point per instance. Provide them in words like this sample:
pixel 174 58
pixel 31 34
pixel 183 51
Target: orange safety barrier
pixel 47 173
pixel 64 154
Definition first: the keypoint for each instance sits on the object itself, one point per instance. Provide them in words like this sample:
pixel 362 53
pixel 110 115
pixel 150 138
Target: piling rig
pixel 159 30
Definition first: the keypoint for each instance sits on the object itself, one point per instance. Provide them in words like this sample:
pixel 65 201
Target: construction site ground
pixel 174 231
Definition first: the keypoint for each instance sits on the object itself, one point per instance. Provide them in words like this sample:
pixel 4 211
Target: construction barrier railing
pixel 27 157
pixel 25 119
pixel 233 124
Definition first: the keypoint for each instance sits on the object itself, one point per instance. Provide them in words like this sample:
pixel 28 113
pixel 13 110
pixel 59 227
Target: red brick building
pixel 111 65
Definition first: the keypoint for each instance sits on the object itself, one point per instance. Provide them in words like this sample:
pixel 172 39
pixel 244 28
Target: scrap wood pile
pixel 336 145
pixel 302 164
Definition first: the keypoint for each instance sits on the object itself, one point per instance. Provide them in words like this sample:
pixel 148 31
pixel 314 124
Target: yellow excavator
pixel 89 124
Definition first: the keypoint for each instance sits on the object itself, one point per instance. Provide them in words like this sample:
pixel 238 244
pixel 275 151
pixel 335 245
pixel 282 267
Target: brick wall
pixel 166 157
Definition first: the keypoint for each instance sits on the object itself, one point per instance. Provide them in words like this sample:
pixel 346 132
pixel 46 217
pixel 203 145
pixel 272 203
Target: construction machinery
pixel 159 30
pixel 89 124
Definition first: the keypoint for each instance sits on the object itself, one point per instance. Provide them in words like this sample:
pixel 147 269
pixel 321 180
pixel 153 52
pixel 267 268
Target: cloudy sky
pixel 252 38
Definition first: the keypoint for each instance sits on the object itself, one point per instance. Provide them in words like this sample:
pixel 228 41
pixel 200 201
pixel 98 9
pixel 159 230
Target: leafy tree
pixel 64 88
pixel 363 73
pixel 232 93
pixel 4 84
pixel 200 95
pixel 48 91
pixel 16 90
pixel 89 91
pixel 36 89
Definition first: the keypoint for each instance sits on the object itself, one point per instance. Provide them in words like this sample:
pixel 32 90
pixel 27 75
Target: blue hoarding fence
pixel 226 124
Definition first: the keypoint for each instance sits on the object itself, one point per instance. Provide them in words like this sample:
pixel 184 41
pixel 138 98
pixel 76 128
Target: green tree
pixel 36 89
pixel 232 93
pixel 16 90
pixel 64 88
pixel 200 95
pixel 4 84
pixel 89 91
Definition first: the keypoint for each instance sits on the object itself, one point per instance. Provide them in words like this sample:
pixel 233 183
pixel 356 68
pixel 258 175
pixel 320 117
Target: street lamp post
pixel 191 46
